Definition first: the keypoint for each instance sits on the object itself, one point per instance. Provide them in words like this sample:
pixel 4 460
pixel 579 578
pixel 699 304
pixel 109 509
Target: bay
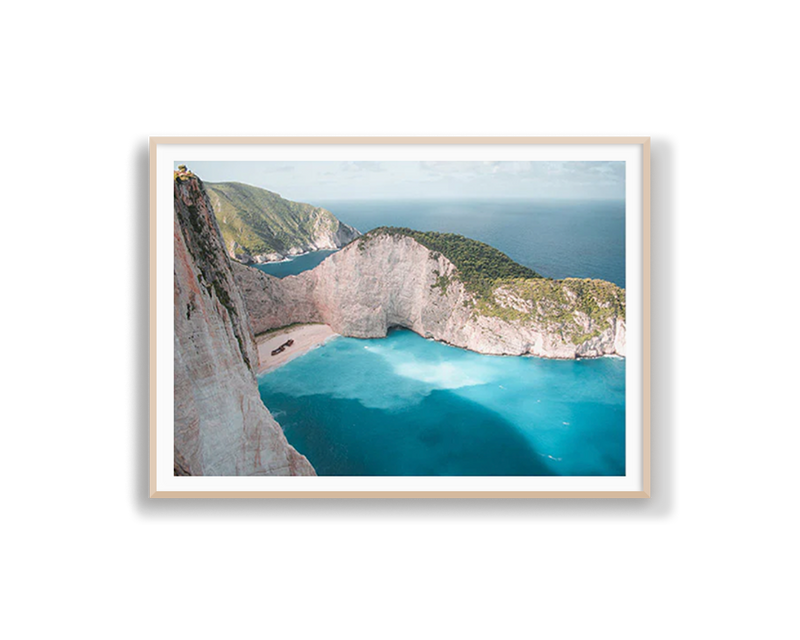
pixel 404 405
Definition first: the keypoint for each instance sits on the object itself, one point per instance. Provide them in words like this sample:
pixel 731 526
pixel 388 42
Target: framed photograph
pixel 399 317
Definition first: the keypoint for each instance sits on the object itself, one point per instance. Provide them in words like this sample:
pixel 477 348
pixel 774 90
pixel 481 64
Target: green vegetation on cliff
pixel 577 308
pixel 561 305
pixel 181 174
pixel 479 265
pixel 261 222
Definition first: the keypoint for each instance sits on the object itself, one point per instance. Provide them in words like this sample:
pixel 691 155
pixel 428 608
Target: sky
pixel 352 180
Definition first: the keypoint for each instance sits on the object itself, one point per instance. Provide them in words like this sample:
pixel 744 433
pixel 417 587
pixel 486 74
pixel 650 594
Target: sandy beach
pixel 305 336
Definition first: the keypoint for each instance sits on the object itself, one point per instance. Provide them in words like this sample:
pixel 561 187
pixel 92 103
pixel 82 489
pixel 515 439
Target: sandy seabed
pixel 306 337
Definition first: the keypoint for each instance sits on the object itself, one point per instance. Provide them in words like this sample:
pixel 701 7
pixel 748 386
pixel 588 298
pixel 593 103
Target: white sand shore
pixel 305 336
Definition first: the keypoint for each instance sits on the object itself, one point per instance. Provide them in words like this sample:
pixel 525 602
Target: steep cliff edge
pixel 260 226
pixel 389 278
pixel 221 425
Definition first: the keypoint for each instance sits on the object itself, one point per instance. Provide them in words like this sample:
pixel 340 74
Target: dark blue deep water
pixel 404 405
pixel 556 238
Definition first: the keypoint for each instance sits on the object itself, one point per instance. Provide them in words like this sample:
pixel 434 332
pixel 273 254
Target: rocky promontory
pixel 443 287
pixel 221 425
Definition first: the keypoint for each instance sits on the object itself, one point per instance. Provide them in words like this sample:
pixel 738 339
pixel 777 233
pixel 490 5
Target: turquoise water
pixel 295 265
pixel 408 406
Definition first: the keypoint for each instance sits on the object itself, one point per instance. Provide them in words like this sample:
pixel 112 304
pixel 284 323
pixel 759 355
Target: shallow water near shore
pixel 404 405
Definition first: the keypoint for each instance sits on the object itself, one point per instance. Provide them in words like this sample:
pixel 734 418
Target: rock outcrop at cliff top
pixel 260 226
pixel 221 425
pixel 388 278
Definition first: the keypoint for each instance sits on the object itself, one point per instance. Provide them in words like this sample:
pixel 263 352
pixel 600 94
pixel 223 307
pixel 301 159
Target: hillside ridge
pixel 260 226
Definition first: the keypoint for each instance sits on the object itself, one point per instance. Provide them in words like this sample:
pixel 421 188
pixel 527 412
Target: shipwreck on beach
pixel 281 349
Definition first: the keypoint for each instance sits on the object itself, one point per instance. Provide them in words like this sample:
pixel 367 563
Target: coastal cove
pixel 404 405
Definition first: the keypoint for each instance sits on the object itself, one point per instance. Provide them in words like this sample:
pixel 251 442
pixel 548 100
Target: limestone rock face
pixel 221 425
pixel 369 287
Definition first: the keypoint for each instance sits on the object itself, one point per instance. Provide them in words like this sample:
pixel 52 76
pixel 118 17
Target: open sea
pixel 404 405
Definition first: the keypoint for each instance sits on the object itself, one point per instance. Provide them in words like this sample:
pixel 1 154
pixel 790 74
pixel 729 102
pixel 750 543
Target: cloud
pixel 362 165
pixel 453 170
pixel 306 180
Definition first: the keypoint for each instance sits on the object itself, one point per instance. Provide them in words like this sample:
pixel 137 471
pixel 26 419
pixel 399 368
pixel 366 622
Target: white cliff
pixel 383 280
pixel 221 425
